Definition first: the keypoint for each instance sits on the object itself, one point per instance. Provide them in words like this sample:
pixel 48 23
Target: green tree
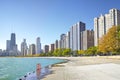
pixel 66 52
pixel 92 51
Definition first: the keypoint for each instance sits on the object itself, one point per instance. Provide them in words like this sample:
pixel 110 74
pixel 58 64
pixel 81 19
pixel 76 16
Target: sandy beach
pixel 86 68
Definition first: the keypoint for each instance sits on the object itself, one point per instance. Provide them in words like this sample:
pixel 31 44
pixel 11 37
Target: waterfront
pixel 87 68
pixel 14 68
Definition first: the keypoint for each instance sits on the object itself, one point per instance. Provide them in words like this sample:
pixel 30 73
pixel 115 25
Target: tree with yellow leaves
pixel 110 42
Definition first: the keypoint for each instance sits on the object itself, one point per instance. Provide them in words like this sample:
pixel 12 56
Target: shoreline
pixel 46 70
pixel 76 68
pixel 75 65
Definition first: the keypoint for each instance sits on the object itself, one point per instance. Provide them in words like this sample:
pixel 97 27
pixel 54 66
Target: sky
pixel 47 19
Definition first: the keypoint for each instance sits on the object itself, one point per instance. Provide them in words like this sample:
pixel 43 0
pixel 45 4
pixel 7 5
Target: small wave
pixel 4 76
pixel 3 69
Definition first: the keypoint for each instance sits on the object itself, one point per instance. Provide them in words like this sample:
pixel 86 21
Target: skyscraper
pixel 87 39
pixel 51 48
pixel 13 42
pixel 103 23
pixel 63 40
pixel 24 48
pixel 8 45
pixel 68 39
pixel 75 35
pixel 46 48
pixel 38 46
pixel 56 44
pixel 32 50
pixel 59 44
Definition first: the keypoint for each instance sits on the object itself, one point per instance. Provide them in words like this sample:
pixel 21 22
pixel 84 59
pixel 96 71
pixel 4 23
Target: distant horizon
pixel 30 19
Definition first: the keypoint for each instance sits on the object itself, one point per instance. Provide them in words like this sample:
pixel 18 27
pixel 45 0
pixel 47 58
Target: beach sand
pixel 86 68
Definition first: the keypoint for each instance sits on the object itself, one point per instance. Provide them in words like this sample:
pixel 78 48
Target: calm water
pixel 14 68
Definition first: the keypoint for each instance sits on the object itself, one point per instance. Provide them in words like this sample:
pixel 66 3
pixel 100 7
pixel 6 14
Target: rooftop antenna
pixel 12 29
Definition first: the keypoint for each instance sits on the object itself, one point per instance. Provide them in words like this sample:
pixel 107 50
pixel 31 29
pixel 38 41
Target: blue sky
pixel 47 19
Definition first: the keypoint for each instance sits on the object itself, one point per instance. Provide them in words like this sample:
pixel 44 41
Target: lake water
pixel 14 68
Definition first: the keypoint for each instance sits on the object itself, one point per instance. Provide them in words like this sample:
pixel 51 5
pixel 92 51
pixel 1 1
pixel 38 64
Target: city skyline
pixel 103 23
pixel 46 19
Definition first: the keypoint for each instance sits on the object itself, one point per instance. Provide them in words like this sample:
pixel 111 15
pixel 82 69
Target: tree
pixel 66 52
pixel 110 42
pixel 91 51
pixel 62 52
pixel 118 38
pixel 81 52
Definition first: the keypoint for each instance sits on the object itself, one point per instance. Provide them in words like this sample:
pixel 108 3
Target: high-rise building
pixel 29 50
pixel 51 48
pixel 63 40
pixel 13 41
pixel 103 23
pixel 59 44
pixel 87 39
pixel 68 39
pixel 1 52
pixel 75 35
pixel 32 49
pixel 46 48
pixel 38 46
pixel 11 46
pixel 8 45
pixel 56 44
pixel 24 48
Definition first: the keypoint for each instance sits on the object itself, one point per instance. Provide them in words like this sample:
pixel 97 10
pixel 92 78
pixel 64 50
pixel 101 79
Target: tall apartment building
pixel 38 46
pixel 87 39
pixel 24 48
pixel 8 45
pixel 103 23
pixel 63 40
pixel 68 39
pixel 56 44
pixel 46 48
pixel 75 35
pixel 32 49
pixel 51 47
pixel 59 44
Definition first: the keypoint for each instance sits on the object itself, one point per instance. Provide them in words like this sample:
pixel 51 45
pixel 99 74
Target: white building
pixel 24 48
pixel 38 46
pixel 103 23
pixel 59 44
pixel 75 35
pixel 68 39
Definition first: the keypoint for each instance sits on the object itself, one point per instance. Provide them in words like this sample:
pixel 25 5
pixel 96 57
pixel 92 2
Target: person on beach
pixel 38 71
